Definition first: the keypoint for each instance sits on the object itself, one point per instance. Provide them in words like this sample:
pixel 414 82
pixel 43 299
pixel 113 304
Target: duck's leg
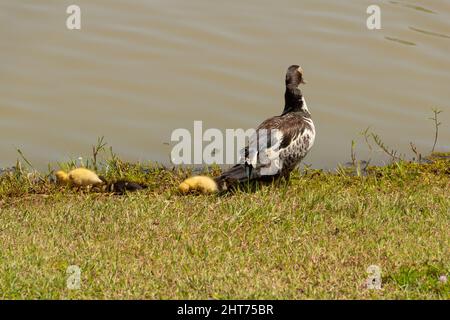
pixel 283 179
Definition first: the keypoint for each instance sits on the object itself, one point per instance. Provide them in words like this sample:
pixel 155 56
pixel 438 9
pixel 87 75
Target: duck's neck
pixel 294 101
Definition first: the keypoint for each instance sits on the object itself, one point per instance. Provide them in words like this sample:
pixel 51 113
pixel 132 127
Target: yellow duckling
pixel 201 184
pixel 79 177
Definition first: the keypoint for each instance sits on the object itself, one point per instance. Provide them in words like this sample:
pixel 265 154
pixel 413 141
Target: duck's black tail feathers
pixel 241 174
pixel 238 174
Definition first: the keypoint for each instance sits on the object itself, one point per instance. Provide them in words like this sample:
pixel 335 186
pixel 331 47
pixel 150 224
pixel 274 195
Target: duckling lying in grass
pixel 123 186
pixel 202 184
pixel 82 177
pixel 79 177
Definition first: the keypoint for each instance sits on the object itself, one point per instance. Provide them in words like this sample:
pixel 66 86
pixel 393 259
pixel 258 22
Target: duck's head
pixel 294 76
pixel 184 187
pixel 62 177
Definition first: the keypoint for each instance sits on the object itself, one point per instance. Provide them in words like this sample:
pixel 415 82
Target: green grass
pixel 314 238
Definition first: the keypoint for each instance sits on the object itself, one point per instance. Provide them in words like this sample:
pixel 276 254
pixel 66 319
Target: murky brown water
pixel 137 70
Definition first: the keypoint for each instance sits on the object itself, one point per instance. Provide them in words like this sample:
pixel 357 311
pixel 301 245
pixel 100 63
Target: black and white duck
pixel 278 146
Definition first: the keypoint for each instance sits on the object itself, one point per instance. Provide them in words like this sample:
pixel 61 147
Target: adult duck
pixel 278 146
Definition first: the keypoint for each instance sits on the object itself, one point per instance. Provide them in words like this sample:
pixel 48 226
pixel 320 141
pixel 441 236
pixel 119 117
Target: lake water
pixel 137 70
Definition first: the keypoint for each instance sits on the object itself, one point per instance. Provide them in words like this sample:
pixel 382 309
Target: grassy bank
pixel 314 238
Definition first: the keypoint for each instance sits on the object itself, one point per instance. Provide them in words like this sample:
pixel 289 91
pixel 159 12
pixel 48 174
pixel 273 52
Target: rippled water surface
pixel 137 70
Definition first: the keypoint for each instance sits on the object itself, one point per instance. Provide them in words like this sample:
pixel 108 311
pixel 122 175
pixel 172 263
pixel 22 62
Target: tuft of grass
pixel 436 122
pixel 415 280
